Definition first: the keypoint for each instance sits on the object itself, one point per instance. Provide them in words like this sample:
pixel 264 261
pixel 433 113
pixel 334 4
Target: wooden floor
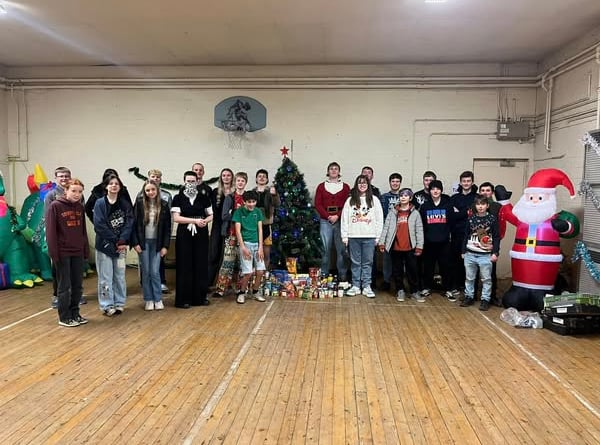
pixel 348 370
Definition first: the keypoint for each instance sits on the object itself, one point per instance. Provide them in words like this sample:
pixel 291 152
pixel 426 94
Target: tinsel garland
pixel 588 139
pixel 586 189
pixel 166 185
pixel 582 252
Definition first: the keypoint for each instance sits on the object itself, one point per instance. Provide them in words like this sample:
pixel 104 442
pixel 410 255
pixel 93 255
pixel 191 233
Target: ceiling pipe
pixel 598 90
pixel 548 119
pixel 275 79
pixel 567 68
pixel 278 83
pixel 550 70
pixel 316 86
pixel 556 71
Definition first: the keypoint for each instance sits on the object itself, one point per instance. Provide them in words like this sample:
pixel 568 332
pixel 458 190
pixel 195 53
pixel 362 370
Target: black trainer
pixel 79 319
pixel 467 302
pixel 484 306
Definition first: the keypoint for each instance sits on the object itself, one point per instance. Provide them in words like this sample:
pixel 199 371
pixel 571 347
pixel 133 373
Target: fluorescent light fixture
pixel 435 1
pixel 3 9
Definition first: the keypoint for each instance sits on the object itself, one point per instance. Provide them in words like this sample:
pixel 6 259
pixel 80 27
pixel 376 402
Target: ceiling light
pixel 435 1
pixel 3 9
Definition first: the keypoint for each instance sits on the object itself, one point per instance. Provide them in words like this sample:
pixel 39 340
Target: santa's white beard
pixel 534 214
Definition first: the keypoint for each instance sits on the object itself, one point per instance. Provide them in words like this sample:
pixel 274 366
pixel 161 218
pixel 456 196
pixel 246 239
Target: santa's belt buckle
pixel 332 209
pixel 530 242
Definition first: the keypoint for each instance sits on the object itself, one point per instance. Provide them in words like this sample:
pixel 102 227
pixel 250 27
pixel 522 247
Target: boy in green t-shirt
pixel 248 229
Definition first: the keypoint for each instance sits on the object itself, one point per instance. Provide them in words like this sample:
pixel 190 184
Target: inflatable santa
pixel 535 254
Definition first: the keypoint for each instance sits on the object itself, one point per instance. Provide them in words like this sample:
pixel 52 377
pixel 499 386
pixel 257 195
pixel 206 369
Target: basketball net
pixel 236 139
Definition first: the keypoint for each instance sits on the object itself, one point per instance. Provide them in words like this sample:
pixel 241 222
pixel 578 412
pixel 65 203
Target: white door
pixel 512 174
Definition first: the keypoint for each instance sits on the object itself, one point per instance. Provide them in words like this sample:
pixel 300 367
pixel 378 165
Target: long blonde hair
pixel 149 202
pixel 221 186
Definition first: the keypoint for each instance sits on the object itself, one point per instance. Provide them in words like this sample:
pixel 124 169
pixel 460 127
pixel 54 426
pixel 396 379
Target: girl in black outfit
pixel 192 211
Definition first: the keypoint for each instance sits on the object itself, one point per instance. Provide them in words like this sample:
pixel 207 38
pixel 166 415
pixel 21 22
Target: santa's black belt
pixel 534 242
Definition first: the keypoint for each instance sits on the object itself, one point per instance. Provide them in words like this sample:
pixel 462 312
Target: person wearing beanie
pixel 437 216
pixel 402 237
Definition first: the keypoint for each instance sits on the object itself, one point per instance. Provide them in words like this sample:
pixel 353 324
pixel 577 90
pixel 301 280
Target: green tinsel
pixel 166 185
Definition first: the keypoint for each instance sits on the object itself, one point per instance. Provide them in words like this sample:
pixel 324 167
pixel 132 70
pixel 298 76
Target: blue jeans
pixel 112 289
pixel 247 265
pixel 361 260
pixel 330 234
pixel 483 262
pixel 150 271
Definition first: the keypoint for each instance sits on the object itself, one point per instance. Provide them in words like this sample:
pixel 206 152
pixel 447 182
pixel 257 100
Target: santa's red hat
pixel 547 179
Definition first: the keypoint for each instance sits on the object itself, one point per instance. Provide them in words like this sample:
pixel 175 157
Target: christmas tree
pixel 295 229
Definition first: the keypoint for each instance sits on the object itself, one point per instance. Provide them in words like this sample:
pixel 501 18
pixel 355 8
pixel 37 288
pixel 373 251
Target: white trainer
pixel 352 291
pixel 368 292
pixel 400 295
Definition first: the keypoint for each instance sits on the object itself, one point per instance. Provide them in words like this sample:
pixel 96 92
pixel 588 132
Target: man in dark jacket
pixel 462 201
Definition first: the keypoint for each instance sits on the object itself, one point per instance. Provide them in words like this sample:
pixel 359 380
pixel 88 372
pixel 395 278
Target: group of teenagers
pixel 145 225
pixel 415 232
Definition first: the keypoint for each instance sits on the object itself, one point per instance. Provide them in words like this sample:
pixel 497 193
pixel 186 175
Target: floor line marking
pixel 8 326
pixel 220 390
pixel 546 368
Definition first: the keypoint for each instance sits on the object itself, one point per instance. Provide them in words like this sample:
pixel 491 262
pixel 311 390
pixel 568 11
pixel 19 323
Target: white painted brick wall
pixel 392 130
pixel 396 130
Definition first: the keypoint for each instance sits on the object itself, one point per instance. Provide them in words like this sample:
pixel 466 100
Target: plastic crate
pixel 562 309
pixel 572 325
pixel 583 299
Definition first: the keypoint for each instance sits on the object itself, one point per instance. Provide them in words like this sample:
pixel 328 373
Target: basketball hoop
pixel 235 139
pixel 239 117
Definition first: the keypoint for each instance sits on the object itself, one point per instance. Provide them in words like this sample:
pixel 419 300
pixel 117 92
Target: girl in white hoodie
pixel 362 222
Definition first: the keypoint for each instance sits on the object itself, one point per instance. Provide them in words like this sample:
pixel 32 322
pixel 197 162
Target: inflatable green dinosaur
pixel 14 250
pixel 32 212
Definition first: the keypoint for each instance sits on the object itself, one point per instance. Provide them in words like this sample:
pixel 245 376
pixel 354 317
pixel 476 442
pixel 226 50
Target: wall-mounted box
pixel 513 131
